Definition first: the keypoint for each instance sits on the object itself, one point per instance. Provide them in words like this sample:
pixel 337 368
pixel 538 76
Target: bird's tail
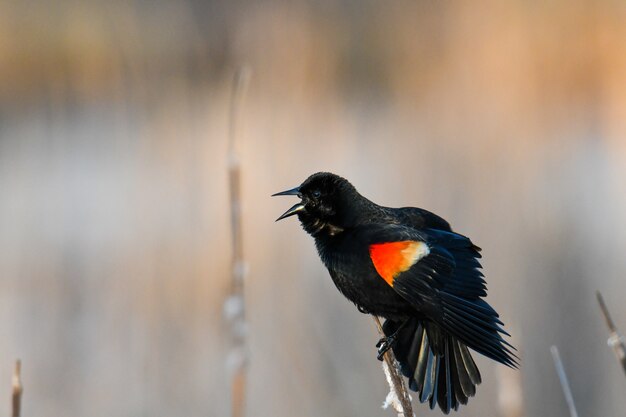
pixel 439 367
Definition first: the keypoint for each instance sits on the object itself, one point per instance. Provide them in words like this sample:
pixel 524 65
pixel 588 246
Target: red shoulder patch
pixel 392 258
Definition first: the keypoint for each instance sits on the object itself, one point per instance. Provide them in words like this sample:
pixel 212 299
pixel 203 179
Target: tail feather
pixel 458 374
pixel 435 380
pixel 467 377
pixel 445 390
pixel 417 378
pixel 430 378
pixel 438 366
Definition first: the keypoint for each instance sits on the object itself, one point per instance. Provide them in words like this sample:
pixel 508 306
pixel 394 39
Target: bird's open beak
pixel 295 208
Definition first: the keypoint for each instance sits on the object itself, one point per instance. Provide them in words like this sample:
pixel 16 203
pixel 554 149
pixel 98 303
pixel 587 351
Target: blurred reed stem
pixel 616 341
pixel 567 391
pixel 16 403
pixel 234 306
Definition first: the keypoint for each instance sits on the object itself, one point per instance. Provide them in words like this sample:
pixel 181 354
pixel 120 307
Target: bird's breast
pixel 355 276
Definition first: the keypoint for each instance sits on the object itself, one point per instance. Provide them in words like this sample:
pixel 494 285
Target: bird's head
pixel 327 202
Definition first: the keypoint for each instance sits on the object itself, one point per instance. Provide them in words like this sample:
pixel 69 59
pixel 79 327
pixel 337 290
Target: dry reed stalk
pixel 234 306
pixel 18 389
pixel 510 392
pixel 567 391
pixel 616 341
pixel 398 396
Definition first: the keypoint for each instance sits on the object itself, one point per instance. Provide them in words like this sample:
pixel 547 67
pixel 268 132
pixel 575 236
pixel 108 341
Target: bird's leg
pixel 387 342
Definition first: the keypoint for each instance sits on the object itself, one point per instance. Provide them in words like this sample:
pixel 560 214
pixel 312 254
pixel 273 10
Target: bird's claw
pixel 383 345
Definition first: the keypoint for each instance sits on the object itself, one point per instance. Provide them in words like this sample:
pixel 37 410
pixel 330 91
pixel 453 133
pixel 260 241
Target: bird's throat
pixel 317 227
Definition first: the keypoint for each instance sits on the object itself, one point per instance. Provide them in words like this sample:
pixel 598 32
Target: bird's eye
pixel 316 193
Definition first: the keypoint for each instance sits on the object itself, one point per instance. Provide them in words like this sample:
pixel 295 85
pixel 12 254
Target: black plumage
pixel 408 266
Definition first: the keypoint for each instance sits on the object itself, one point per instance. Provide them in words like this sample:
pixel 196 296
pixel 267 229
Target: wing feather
pixel 445 283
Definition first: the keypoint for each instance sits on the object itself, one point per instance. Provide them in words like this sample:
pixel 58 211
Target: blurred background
pixel 506 118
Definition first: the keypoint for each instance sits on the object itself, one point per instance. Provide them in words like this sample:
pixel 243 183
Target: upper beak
pixel 293 191
pixel 296 207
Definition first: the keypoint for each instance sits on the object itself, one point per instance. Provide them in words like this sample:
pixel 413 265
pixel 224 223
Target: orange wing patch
pixel 390 259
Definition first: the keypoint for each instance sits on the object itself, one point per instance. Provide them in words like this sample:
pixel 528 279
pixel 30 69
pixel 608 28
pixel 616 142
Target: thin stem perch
pixel 395 380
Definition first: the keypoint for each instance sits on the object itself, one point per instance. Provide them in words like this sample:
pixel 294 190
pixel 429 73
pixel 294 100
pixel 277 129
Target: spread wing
pixel 439 273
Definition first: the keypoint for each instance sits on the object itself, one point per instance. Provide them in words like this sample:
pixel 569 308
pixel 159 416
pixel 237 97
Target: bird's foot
pixel 362 310
pixel 384 344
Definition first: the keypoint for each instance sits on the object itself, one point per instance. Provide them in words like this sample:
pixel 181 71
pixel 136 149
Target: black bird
pixel 407 266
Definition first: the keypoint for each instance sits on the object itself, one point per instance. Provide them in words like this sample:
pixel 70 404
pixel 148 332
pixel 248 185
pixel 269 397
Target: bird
pixel 409 267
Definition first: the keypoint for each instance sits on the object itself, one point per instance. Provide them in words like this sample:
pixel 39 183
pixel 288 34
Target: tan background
pixel 507 118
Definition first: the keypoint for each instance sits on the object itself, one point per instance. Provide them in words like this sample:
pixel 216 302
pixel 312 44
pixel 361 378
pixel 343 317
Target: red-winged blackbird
pixel 408 266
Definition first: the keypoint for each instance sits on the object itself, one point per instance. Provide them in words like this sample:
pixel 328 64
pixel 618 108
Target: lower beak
pixel 293 210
